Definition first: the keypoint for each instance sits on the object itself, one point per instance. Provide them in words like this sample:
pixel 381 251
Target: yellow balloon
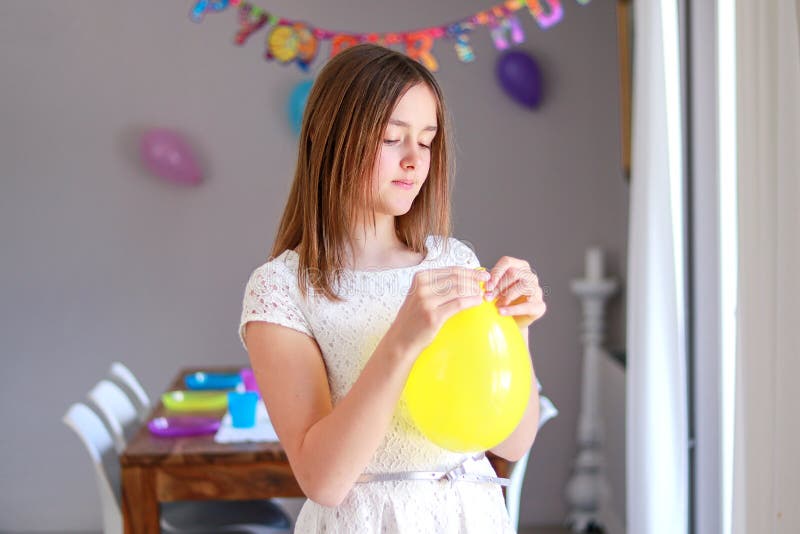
pixel 468 390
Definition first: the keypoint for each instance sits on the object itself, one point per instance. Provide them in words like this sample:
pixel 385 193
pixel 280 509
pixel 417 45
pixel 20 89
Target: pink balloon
pixel 166 154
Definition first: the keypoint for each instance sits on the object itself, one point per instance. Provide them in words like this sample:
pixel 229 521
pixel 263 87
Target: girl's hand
pixel 517 290
pixel 435 296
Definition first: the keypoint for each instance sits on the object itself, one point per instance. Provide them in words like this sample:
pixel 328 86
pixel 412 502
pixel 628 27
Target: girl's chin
pixel 401 210
pixel 395 209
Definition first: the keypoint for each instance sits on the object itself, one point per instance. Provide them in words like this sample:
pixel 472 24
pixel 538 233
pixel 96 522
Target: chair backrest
pixel 124 378
pixel 117 410
pixel 100 445
pixel 514 490
pixel 547 411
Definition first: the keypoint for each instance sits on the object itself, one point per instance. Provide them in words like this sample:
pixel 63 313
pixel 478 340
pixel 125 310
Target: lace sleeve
pixel 463 253
pixel 271 295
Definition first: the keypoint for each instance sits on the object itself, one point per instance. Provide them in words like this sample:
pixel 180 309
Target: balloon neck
pixel 481 283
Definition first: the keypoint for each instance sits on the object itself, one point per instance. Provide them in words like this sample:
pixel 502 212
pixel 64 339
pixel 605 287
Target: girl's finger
pixel 502 275
pixel 461 280
pixel 451 307
pixel 527 280
pixel 532 309
pixel 529 289
pixel 512 292
pixel 496 273
pixel 502 295
pixel 453 287
pixel 453 272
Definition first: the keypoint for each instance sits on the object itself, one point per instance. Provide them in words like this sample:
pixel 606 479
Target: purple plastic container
pixel 182 425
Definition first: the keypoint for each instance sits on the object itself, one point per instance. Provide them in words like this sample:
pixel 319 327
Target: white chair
pixel 117 411
pixel 514 490
pixel 253 517
pixel 123 377
pixel 100 445
pixel 547 411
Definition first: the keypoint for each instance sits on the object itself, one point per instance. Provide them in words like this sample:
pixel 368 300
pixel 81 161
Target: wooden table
pixel 156 470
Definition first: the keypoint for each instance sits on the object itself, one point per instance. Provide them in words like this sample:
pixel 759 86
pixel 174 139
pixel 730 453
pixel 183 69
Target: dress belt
pixel 458 473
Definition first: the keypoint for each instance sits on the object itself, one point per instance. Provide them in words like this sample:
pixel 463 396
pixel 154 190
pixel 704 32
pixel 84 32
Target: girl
pixel 362 277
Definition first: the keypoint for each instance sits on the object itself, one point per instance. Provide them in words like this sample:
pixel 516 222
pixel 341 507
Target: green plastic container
pixel 195 401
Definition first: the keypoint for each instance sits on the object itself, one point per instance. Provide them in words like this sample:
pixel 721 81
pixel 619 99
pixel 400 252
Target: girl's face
pixel 404 158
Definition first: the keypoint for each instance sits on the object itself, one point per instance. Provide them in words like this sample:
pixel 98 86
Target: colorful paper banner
pixel 290 41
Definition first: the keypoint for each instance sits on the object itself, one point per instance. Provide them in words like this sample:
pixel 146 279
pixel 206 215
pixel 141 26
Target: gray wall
pixel 101 261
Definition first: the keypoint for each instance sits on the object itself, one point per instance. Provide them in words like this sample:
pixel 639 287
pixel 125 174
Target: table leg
pixel 140 513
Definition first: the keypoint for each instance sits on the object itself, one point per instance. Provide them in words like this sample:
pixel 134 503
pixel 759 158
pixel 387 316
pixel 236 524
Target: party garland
pixel 291 41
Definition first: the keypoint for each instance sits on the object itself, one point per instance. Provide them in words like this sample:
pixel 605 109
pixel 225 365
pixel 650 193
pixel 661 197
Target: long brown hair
pixel 348 109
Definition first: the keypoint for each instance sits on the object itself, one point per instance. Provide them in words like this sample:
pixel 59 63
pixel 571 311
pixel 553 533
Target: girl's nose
pixel 411 158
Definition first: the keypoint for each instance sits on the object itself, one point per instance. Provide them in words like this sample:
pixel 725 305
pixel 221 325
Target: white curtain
pixel 766 470
pixel 657 456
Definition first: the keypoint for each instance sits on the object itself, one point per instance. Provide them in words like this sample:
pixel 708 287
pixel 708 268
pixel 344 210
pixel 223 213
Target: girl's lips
pixel 403 185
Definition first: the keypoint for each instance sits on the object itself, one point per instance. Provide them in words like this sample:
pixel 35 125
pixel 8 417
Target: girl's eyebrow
pixel 397 122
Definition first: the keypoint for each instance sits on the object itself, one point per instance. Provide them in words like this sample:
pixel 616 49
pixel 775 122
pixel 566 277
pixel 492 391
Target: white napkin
pixel 262 431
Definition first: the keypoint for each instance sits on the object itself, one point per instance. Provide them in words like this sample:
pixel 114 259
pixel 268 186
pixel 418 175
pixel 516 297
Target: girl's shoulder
pixel 283 264
pixel 278 273
pixel 272 296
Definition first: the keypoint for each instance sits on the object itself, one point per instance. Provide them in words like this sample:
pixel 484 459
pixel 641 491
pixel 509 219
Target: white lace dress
pixel 347 333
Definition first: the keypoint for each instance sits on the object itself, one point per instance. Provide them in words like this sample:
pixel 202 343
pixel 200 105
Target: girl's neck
pixel 379 246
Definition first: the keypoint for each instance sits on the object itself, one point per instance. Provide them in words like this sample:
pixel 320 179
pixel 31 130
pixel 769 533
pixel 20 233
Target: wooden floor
pixel 522 530
pixel 544 530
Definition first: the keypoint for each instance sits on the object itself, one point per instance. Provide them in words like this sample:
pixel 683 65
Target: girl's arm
pixel 327 448
pixel 517 444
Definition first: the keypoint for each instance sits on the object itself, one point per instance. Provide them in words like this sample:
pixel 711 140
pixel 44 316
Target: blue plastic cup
pixel 242 406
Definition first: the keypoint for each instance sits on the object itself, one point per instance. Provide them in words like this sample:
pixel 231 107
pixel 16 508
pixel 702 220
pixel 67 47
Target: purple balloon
pixel 520 77
pixel 166 154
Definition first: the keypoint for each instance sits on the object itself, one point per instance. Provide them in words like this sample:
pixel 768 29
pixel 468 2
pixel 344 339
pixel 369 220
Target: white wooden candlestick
pixel 588 487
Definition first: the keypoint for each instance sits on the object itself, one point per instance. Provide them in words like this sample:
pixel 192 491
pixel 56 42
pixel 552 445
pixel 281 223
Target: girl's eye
pixel 394 141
